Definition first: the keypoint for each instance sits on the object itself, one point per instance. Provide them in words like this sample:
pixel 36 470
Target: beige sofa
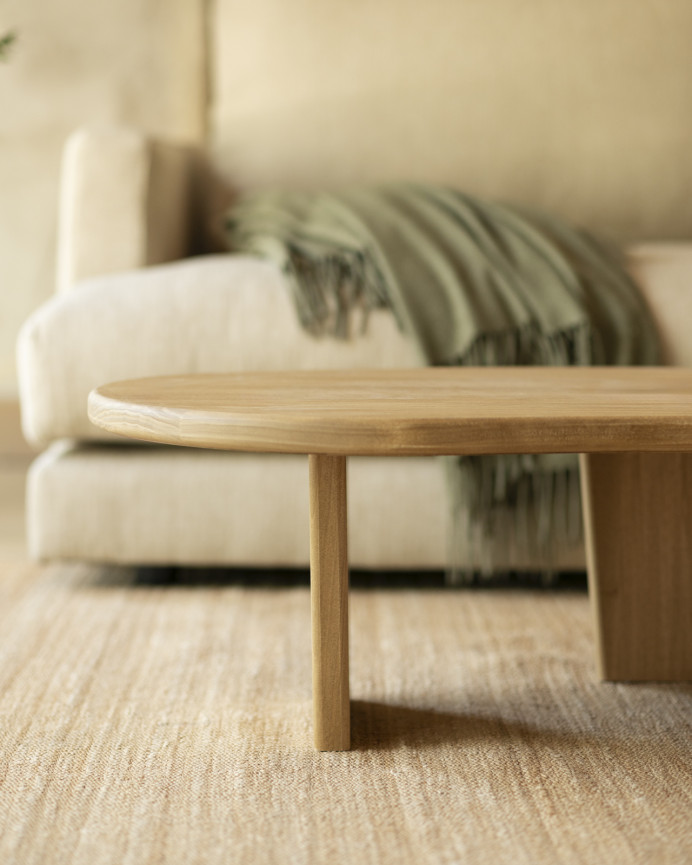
pixel 579 108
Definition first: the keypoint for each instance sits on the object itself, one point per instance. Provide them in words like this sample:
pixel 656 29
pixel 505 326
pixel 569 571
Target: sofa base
pixel 154 505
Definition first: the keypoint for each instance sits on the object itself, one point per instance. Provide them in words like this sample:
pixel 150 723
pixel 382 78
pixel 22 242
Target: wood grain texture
pixel 410 412
pixel 638 522
pixel 329 598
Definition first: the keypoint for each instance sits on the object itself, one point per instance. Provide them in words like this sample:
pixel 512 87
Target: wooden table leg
pixel 329 598
pixel 638 525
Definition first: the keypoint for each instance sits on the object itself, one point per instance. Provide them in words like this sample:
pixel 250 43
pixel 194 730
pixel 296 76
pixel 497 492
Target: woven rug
pixel 171 724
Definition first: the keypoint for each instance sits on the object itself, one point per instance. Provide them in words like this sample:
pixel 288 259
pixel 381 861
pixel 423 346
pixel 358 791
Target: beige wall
pixel 582 108
pixel 137 62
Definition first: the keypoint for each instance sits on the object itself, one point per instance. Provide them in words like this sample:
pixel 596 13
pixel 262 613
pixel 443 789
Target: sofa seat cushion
pixel 225 313
pixel 210 314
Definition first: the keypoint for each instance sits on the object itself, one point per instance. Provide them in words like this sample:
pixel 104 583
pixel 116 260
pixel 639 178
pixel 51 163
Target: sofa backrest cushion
pixel 581 107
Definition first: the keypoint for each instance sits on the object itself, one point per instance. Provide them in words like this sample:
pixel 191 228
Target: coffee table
pixel 632 427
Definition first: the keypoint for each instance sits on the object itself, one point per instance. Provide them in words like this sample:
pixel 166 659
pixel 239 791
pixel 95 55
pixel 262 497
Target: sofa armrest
pixel 209 313
pixel 664 274
pixel 125 202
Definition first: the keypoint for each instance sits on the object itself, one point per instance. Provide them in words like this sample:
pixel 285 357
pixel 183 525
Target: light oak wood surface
pixel 409 412
pixel 329 599
pixel 633 427
pixel 638 527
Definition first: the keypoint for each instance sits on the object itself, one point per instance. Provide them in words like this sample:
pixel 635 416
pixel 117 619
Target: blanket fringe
pixel 504 507
pixel 342 256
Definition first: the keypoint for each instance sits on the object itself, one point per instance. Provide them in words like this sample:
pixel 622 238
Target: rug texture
pixel 171 724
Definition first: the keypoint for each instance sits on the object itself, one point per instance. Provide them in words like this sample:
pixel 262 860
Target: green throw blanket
pixel 473 283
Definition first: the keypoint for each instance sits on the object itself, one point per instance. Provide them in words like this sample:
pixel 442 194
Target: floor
pixel 168 721
pixel 12 481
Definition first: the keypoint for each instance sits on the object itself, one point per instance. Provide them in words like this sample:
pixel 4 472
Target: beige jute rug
pixel 144 724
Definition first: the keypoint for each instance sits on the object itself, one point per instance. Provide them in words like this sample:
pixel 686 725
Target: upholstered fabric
pixel 225 313
pixel 664 271
pixel 141 504
pixel 209 314
pixel 158 505
pixel 581 108
pixel 125 202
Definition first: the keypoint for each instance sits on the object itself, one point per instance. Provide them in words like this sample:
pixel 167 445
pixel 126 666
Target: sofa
pixel 581 109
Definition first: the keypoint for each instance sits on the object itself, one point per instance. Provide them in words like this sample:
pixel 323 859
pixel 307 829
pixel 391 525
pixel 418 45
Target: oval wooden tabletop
pixel 406 412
